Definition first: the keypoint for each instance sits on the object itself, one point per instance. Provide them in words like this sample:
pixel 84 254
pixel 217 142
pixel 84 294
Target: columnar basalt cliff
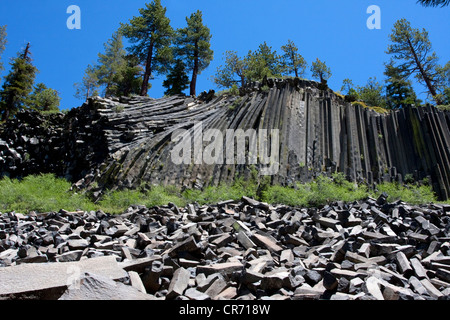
pixel 127 142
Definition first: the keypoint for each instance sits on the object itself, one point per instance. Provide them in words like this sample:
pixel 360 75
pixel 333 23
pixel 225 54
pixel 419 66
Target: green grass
pixel 46 193
pixel 411 193
pixel 319 192
pixel 42 193
pixel 118 201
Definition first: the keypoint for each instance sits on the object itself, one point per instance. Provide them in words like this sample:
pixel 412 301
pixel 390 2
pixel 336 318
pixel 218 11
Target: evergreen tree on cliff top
pixel 262 63
pixel 320 70
pixel 293 61
pixel 399 92
pixel 18 85
pixel 111 62
pixel 194 47
pixel 2 44
pixel 88 87
pixel 412 55
pixel 177 80
pixel 44 99
pixel 128 80
pixel 151 36
pixel 232 72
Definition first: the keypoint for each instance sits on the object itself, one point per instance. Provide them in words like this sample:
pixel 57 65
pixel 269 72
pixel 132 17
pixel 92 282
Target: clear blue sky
pixel 334 31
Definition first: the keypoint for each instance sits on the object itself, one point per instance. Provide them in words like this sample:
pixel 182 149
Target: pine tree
pixel 18 85
pixel 111 62
pixel 194 47
pixel 88 87
pixel 128 80
pixel 151 35
pixel 177 80
pixel 411 49
pixel 293 61
pixel 2 44
pixel 262 63
pixel 443 76
pixel 434 3
pixel 320 71
pixel 270 58
pixel 399 92
pixel 232 72
pixel 348 88
pixel 44 99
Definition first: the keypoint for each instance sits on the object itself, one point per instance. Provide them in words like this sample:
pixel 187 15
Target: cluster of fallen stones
pixel 246 250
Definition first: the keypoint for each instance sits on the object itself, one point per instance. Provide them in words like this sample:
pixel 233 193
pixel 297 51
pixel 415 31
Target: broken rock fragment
pixel 369 249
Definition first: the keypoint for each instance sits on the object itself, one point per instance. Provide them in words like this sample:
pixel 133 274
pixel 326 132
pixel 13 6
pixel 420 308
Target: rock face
pixel 123 142
pixel 66 145
pixel 243 250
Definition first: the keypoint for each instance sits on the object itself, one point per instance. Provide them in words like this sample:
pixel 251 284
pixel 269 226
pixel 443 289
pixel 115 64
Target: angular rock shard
pixel 25 278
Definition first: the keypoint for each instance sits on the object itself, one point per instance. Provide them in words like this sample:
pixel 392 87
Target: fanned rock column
pixel 122 143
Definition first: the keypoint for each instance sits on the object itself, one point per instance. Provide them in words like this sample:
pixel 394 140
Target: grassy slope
pixel 45 193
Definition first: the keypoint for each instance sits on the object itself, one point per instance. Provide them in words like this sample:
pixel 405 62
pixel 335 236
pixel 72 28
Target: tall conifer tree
pixel 434 3
pixel 151 36
pixel 411 55
pixel 232 72
pixel 128 80
pixel 2 44
pixel 18 84
pixel 320 70
pixel 194 47
pixel 43 99
pixel 177 80
pixel 292 60
pixel 399 91
pixel 111 63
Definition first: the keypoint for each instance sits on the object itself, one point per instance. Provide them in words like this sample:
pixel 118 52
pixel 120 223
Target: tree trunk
pixel 242 81
pixel 5 115
pixel 107 93
pixel 194 71
pixel 296 72
pixel 27 50
pixel 88 91
pixel 148 71
pixel 425 76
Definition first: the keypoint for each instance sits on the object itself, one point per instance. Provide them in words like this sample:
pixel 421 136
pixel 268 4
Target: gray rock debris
pixel 244 249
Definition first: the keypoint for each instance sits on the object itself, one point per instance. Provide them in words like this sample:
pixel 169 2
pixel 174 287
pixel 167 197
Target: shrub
pixel 159 195
pixel 325 190
pixel 443 107
pixel 287 195
pixel 321 191
pixel 410 193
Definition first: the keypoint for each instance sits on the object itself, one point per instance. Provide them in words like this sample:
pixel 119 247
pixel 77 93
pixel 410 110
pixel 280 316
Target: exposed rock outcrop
pixel 126 142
